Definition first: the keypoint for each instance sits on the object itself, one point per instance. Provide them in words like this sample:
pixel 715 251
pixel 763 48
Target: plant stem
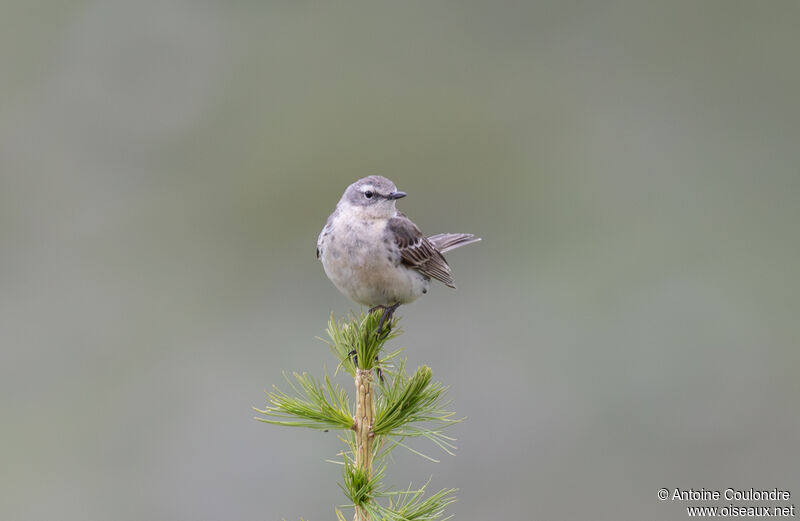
pixel 365 415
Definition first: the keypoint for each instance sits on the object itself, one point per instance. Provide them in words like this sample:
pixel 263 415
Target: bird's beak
pixel 396 195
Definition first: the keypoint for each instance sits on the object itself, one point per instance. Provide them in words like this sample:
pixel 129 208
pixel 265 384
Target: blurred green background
pixel 629 322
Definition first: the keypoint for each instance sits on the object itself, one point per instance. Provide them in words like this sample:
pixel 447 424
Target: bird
pixel 377 256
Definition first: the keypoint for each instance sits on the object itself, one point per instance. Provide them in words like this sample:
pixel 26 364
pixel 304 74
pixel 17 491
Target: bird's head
pixel 373 197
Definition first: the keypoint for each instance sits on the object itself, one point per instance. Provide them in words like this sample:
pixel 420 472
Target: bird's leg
pixel 376 308
pixel 388 312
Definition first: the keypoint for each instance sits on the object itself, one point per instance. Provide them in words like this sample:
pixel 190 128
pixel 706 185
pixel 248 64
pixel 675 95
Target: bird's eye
pixel 368 194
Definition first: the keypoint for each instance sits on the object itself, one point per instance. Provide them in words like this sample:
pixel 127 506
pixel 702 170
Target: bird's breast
pixel 364 263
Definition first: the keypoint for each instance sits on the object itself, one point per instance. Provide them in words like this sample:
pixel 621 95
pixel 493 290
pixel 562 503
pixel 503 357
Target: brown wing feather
pixel 417 252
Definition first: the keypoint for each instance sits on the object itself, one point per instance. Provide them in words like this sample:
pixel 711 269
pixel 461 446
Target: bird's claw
pixel 388 313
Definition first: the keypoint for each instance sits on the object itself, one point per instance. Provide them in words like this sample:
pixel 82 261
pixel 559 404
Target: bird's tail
pixel 449 241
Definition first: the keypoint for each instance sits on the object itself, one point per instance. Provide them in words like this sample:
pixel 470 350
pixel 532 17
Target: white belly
pixel 365 266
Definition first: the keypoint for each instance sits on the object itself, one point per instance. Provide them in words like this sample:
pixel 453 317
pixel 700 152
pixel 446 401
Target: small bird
pixel 376 255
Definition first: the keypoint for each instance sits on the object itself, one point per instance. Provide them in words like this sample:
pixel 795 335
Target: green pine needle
pixel 359 487
pixel 412 400
pixel 405 406
pixel 316 407
pixel 359 336
pixel 410 505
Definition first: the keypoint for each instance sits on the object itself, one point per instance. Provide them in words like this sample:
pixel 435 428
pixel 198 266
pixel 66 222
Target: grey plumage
pixel 376 255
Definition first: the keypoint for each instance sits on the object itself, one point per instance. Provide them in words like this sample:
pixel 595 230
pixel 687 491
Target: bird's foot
pixel 352 354
pixel 388 313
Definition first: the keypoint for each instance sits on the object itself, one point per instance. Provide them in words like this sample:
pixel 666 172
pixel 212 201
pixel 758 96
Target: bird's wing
pixel 324 233
pixel 416 251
